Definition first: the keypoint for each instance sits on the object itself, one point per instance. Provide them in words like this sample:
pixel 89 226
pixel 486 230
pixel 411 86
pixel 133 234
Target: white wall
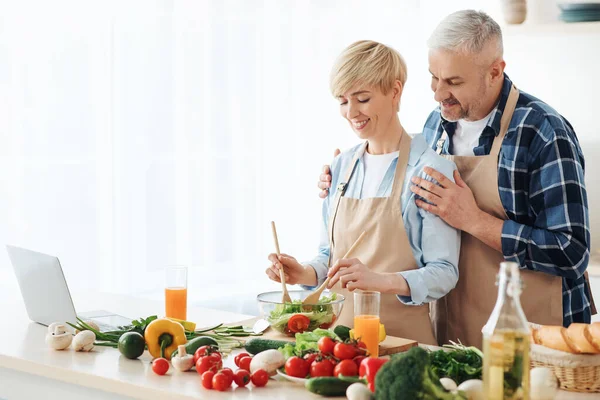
pixel 136 134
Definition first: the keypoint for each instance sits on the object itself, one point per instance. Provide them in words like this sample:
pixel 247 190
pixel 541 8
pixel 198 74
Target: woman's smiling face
pixel 368 110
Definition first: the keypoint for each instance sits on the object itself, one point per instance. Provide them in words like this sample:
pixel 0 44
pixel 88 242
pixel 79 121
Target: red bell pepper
pixel 368 369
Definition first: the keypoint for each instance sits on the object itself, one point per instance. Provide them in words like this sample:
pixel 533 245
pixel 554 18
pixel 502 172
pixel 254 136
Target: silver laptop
pixel 46 294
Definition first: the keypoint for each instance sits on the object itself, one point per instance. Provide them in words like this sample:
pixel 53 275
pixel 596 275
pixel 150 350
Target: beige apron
pixel 385 248
pixel 464 311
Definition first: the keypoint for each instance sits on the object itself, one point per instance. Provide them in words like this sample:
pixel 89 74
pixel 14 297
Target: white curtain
pixel 140 134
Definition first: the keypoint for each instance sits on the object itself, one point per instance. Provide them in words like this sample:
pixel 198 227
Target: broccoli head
pixel 409 376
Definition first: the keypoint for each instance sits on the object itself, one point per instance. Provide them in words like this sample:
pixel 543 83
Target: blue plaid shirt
pixel 542 189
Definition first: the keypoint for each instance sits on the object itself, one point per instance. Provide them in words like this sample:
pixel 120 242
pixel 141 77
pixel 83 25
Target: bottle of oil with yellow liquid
pixel 506 341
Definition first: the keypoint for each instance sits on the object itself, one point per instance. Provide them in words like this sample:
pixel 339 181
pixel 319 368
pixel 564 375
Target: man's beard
pixel 455 116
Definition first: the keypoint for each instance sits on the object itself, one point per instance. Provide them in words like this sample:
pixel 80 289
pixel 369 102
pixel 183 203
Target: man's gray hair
pixel 466 31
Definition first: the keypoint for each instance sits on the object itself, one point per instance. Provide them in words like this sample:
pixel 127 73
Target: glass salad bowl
pixel 294 317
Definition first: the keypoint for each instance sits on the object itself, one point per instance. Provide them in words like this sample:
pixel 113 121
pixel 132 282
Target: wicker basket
pixel 575 372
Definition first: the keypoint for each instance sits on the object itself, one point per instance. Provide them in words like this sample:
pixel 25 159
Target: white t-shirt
pixel 375 168
pixel 466 136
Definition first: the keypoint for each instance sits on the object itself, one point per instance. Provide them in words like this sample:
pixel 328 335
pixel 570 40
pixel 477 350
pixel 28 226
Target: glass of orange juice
pixel 176 292
pixel 366 319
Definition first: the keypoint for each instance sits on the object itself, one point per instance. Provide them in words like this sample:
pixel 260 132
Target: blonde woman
pixel 409 254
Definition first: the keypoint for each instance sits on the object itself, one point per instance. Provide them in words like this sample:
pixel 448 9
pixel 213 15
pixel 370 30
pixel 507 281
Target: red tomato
pixel 237 358
pixel 346 368
pixel 321 368
pixel 260 378
pixel 245 363
pixel 344 351
pixel 208 363
pixel 326 345
pixel 160 366
pixel 227 371
pixel 358 359
pixel 203 351
pixel 298 323
pixel 221 382
pixel 296 366
pixel 328 324
pixel 241 377
pixel 207 379
pixel 310 357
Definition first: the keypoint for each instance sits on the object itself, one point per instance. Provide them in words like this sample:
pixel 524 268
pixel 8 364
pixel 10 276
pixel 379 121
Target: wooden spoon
pixel 313 298
pixel 286 296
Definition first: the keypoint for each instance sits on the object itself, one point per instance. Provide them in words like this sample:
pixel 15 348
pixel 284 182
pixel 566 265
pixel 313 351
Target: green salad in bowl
pixel 294 317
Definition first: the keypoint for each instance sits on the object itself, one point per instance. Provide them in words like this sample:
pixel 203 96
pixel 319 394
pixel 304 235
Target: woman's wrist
pixel 309 276
pixel 396 284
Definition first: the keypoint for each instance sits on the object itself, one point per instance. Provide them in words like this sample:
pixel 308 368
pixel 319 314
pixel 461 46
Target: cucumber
pixel 342 331
pixel 330 386
pixel 256 345
pixel 196 343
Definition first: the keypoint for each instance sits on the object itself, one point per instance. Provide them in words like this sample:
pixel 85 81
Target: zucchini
pixel 342 331
pixel 196 343
pixel 330 386
pixel 256 345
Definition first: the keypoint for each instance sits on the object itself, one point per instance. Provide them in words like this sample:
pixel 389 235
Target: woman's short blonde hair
pixel 369 63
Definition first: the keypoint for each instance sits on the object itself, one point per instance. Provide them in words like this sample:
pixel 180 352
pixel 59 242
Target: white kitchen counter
pixel 28 369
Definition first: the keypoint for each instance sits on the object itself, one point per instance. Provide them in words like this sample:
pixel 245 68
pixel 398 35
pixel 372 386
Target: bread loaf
pixel 578 339
pixel 592 334
pixel 554 337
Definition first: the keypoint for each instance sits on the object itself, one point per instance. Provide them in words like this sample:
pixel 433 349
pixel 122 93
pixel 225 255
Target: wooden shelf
pixel 557 28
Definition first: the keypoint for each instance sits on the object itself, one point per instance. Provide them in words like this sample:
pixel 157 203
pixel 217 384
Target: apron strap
pixel 340 191
pixel 509 109
pixel 589 288
pixel 400 174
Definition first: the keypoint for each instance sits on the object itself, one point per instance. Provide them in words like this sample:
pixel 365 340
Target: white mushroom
pixel 84 341
pixel 59 338
pixel 182 361
pixel 359 391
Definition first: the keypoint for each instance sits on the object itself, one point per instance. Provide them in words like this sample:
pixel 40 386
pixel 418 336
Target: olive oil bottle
pixel 506 341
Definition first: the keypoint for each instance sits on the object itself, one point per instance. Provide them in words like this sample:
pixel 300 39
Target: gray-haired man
pixel 519 193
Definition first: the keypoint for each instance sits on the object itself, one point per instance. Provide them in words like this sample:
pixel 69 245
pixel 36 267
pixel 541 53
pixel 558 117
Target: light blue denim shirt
pixel 434 243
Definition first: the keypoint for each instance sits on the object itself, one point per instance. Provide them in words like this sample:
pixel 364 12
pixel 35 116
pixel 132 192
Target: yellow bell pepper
pixel 163 336
pixel 187 325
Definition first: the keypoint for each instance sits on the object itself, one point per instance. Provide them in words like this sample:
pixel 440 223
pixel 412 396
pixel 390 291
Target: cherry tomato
pixel 160 366
pixel 203 351
pixel 221 382
pixel 237 358
pixel 260 377
pixel 344 351
pixel 310 357
pixel 207 378
pixel 241 377
pixel 227 371
pixel 346 368
pixel 208 363
pixel 358 359
pixel 245 363
pixel 321 368
pixel 298 323
pixel 296 366
pixel 326 345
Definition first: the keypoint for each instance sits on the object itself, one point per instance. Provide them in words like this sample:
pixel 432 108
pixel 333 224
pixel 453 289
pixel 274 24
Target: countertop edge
pixel 88 380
